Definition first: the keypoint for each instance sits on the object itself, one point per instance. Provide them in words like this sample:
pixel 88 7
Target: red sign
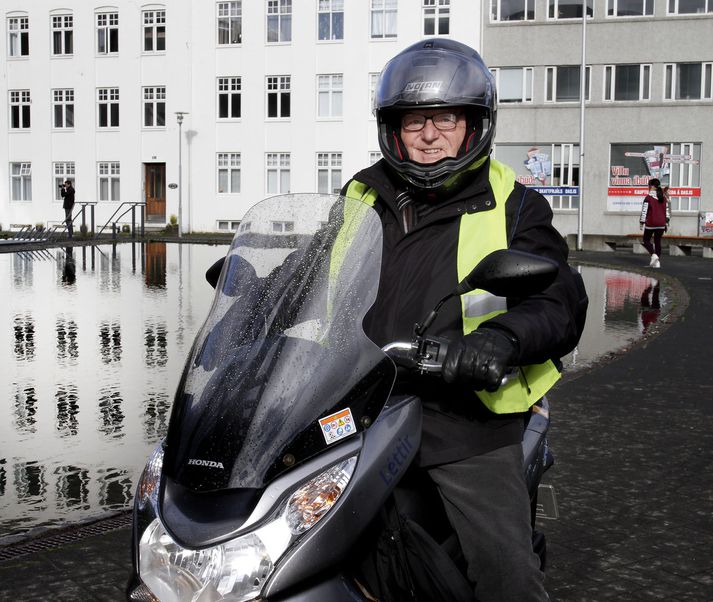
pixel 635 191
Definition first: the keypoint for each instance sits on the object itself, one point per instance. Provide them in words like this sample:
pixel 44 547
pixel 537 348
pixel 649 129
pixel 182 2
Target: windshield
pixel 283 346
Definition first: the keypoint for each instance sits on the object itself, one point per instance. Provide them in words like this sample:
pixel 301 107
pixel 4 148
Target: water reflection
pixel 93 366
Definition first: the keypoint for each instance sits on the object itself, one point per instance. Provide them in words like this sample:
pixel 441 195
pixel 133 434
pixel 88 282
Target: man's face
pixel 431 143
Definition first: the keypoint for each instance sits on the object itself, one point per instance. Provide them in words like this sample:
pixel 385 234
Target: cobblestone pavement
pixel 633 443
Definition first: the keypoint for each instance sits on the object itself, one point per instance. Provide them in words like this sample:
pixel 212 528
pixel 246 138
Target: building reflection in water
pixel 156 411
pixel 632 297
pixel 156 264
pixel 24 328
pixel 111 414
pixel 115 489
pixel 69 267
pixel 72 487
pixel 67 399
pixel 110 342
pixel 25 409
pixel 67 345
pixel 30 483
pixel 156 341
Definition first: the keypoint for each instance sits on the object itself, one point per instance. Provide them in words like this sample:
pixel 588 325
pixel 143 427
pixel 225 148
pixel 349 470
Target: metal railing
pixel 116 216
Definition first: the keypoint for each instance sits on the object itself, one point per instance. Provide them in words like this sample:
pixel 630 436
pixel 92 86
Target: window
pixel 108 107
pixel 283 227
pixel 567 9
pixel 512 10
pixel 627 82
pixel 62 35
pixel 279 21
pixel 19 109
pixel 552 169
pixel 107 33
pixel 436 17
pixel 689 7
pixel 630 8
pixel 278 173
pixel 228 173
pixel 109 180
pixel 278 96
pixel 155 107
pixel 63 170
pixel 374 156
pixel 330 19
pixel 230 225
pixel 20 181
pixel 383 18
pixel 230 23
pixel 245 226
pixel 63 108
pixel 688 81
pixel 329 173
pixel 514 84
pixel 329 95
pixel 18 36
pixel 373 80
pixel 229 97
pixel 154 30
pixel 562 83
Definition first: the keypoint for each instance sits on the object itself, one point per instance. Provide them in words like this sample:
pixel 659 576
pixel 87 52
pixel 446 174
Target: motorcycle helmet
pixel 435 73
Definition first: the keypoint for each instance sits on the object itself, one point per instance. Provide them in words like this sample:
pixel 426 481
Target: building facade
pixel 277 98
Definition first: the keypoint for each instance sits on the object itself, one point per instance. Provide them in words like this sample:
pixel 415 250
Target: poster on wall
pixel 631 166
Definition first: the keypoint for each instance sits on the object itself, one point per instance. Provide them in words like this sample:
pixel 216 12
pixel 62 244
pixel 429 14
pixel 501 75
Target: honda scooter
pixel 288 443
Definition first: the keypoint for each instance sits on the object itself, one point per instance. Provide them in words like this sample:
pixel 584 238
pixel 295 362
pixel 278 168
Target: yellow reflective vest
pixel 478 235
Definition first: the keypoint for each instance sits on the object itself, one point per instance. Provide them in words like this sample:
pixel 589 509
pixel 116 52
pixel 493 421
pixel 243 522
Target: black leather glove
pixel 481 358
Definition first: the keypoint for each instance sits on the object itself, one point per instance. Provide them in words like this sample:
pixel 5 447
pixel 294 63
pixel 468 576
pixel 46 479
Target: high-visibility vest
pixel 478 235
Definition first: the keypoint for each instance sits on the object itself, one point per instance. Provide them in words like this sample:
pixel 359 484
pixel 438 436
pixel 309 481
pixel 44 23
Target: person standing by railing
pixel 68 204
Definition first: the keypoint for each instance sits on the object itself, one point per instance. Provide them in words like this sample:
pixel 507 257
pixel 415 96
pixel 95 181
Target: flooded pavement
pixel 94 340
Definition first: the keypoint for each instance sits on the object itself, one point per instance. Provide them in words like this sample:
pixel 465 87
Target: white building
pixel 278 98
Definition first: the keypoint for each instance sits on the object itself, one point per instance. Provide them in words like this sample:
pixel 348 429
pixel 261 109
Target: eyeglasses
pixel 415 122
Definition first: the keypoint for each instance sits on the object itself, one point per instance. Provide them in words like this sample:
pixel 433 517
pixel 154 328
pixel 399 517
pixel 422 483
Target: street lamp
pixel 179 118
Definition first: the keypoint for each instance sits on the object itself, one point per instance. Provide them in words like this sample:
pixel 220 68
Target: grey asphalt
pixel 633 445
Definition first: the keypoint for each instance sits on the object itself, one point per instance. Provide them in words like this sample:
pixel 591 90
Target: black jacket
pixel 68 196
pixel 419 268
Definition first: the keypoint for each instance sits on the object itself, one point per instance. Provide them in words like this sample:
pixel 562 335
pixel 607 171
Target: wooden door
pixel 155 190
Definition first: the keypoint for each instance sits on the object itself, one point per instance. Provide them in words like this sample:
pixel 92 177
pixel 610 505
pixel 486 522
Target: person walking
pixel 68 204
pixel 654 219
pixel 444 204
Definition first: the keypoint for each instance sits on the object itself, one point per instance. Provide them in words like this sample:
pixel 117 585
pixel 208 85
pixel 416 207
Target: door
pixel 155 187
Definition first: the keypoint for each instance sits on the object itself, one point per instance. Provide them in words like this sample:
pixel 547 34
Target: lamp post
pixel 179 118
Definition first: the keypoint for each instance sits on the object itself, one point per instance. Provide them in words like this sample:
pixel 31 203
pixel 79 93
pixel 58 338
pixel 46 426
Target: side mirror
pixel 505 273
pixel 510 273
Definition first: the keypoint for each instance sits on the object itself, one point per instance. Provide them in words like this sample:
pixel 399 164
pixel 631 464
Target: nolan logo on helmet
pixel 423 86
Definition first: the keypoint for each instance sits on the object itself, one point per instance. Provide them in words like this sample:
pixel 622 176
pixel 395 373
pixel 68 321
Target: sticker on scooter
pixel 337 426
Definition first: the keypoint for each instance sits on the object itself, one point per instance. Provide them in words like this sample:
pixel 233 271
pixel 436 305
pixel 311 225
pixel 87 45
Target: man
pixel 67 193
pixel 444 204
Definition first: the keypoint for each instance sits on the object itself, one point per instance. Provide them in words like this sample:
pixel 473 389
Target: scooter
pixel 288 448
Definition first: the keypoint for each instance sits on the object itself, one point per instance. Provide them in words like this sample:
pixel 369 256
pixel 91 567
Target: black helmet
pixel 436 73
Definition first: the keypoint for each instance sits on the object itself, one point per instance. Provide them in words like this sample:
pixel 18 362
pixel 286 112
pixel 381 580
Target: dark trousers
pixel 68 221
pixel 487 503
pixel 657 234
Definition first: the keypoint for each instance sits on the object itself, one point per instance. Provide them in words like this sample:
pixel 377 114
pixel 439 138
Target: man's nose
pixel 430 131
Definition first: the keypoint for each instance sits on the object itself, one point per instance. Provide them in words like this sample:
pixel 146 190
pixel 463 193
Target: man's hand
pixel 641 226
pixel 481 358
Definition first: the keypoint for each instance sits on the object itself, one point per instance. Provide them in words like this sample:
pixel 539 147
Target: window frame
pixel 65 100
pixel 496 12
pixel 18 38
pixel 329 164
pixel 378 15
pixel 112 175
pixel 527 84
pixel 670 81
pixel 331 14
pixel 112 108
pixel 613 8
pixel 282 227
pixel 229 162
pixel 158 100
pixel 62 29
pixel 552 6
pixel 110 31
pixel 551 98
pixel 334 94
pixel 230 92
pixel 676 12
pixel 283 17
pixel 24 178
pixel 157 28
pixel 278 163
pixel 60 176
pixel 20 110
pixel 434 11
pixel 609 87
pixel 282 91
pixel 233 20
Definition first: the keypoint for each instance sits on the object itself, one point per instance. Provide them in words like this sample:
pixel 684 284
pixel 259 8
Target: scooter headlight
pixel 237 569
